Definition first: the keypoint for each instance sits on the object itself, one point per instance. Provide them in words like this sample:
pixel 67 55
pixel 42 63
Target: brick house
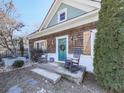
pixel 68 24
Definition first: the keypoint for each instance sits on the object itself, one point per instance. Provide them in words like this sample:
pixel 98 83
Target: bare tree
pixel 8 26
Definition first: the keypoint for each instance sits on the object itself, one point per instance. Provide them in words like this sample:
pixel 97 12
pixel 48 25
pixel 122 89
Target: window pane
pixel 41 44
pixel 44 45
pixel 62 16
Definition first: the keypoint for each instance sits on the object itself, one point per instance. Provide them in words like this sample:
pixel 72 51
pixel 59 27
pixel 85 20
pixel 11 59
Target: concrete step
pixel 53 77
pixel 76 77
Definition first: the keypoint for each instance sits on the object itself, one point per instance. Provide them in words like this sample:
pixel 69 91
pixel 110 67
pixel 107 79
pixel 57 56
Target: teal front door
pixel 62 49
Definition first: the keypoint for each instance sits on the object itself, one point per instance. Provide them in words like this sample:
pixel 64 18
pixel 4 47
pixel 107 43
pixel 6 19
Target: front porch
pixel 58 68
pixel 61 45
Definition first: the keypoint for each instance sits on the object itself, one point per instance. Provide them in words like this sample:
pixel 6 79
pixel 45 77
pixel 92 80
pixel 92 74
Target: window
pixel 42 44
pixel 87 43
pixel 62 15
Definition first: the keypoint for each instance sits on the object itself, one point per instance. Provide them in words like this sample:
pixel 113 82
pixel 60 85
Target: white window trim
pixel 60 12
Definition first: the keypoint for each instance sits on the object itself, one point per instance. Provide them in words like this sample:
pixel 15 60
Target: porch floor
pixel 58 68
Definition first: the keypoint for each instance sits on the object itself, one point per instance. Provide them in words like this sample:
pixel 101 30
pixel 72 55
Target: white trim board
pixel 79 5
pixel 93 37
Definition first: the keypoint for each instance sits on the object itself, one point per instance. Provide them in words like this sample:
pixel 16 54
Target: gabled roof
pixel 91 7
pixel 34 32
pixel 85 5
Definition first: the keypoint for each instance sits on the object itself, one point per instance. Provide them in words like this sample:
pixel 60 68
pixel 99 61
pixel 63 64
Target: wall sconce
pixel 71 38
pixel 75 37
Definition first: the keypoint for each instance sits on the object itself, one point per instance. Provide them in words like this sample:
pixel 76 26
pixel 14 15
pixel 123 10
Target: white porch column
pixel 93 36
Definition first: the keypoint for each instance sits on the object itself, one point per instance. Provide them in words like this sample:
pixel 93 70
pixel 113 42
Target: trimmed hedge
pixel 109 46
pixel 18 63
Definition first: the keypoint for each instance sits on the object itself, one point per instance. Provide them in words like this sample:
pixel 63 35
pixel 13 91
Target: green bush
pixel 109 46
pixel 18 63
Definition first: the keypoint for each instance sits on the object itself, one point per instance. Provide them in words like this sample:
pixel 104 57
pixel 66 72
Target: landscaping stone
pixel 42 91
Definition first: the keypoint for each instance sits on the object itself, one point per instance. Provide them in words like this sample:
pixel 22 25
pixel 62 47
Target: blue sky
pixel 32 13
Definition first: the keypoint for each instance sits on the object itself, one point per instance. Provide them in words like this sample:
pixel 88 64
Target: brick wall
pixel 75 37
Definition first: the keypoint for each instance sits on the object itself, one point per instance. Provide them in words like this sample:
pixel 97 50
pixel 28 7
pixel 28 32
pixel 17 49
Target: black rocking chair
pixel 72 64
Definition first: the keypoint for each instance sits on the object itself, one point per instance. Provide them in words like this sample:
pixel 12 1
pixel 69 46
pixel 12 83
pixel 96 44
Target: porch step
pixel 53 77
pixel 58 68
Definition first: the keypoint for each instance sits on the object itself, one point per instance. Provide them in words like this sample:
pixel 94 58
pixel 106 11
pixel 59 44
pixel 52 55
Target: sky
pixel 31 13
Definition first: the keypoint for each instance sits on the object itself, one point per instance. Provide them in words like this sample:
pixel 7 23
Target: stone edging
pixel 3 70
